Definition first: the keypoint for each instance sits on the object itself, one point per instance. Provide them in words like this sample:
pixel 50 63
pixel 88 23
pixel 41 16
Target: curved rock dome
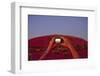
pixel 37 47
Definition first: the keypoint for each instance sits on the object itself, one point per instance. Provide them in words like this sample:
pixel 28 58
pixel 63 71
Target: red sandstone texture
pixel 37 47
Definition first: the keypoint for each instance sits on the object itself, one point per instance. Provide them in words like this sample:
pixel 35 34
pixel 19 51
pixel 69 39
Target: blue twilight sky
pixel 39 25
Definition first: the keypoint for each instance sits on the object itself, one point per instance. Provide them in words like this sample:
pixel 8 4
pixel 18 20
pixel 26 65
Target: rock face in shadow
pixel 37 46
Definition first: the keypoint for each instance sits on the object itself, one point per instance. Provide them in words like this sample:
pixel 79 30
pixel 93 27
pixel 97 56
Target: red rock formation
pixel 45 48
